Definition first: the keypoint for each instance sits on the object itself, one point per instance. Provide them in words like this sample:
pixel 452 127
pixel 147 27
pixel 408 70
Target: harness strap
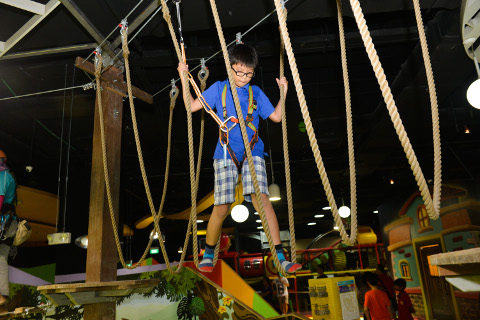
pixel 252 106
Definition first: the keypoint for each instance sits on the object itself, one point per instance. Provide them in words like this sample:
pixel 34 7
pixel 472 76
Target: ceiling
pixel 32 127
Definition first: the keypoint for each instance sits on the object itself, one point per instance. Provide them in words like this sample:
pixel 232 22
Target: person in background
pixel 405 306
pixel 320 271
pixel 386 283
pixel 267 292
pixel 377 305
pixel 281 284
pixel 8 226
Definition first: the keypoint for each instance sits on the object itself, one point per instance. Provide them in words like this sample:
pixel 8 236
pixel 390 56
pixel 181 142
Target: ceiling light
pixel 180 250
pixel 258 221
pixel 467 130
pixel 154 250
pixel 260 227
pixel 311 223
pixel 375 211
pixel 319 215
pixel 473 91
pixel 199 221
pixel 391 181
pixel 344 212
pixel 239 213
pixel 82 242
pixel 274 191
pixel 335 228
pixel 326 208
pixel 256 213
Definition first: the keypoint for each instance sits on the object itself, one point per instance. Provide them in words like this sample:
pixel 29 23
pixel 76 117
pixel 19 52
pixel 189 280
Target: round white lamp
pixel 274 191
pixel 344 212
pixel 473 94
pixel 239 213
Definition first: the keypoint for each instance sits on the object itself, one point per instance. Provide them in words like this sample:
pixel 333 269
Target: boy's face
pixel 242 74
pixel 397 288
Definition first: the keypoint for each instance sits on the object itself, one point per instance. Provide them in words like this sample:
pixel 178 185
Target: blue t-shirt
pixel 213 96
pixel 7 186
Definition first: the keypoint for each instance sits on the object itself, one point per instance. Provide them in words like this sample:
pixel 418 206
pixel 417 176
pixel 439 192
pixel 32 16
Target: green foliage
pixel 197 306
pixel 149 275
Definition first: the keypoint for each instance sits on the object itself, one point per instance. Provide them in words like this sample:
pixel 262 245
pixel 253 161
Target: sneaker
pixel 291 267
pixel 206 265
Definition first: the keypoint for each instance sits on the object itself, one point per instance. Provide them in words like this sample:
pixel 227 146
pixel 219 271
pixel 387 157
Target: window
pixel 405 269
pixel 423 219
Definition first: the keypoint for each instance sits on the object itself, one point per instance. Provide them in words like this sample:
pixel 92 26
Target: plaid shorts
pixel 226 180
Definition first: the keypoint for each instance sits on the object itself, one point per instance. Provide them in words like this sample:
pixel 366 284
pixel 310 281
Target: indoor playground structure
pixel 176 289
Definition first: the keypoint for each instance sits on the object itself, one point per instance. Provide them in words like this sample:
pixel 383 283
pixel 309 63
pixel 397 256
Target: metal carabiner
pixel 224 125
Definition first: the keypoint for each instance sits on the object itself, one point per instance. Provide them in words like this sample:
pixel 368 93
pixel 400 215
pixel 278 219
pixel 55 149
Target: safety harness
pixel 252 106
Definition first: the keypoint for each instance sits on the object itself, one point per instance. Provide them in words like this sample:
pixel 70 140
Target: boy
pixel 281 284
pixel 227 165
pixel 405 307
pixel 377 305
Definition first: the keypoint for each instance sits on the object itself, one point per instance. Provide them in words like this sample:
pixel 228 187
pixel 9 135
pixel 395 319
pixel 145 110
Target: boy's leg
pixel 214 228
pixel 225 182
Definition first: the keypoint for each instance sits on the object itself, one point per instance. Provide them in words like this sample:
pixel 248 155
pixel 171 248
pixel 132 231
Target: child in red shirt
pixel 377 304
pixel 405 307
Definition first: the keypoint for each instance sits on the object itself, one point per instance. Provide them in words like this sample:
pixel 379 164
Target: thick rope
pixel 243 130
pixel 286 157
pixel 432 206
pixel 98 68
pixel 192 222
pixel 282 18
pixel 348 111
pixel 155 215
pixel 437 150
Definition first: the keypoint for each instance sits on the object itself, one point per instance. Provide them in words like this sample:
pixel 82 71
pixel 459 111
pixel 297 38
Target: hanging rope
pixel 243 129
pixel 282 18
pixel 432 206
pixel 286 157
pixel 98 68
pixel 192 223
pixel 348 112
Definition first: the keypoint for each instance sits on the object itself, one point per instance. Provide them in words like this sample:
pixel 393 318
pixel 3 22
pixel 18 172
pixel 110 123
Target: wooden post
pixel 102 251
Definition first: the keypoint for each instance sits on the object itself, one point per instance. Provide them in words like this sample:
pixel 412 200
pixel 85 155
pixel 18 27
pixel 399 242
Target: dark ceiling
pixel 31 128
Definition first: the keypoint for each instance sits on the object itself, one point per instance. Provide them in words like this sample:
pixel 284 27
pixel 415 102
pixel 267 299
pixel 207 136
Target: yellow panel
pixel 36 205
pixel 232 282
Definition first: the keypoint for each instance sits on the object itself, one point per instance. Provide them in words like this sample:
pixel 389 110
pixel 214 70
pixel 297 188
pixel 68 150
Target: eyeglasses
pixel 244 74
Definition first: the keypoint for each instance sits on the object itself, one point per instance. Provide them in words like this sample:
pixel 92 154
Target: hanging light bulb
pixel 239 213
pixel 274 191
pixel 344 212
pixel 473 91
pixel 391 181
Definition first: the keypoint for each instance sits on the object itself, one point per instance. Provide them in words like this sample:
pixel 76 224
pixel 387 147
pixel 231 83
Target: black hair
pixel 372 278
pixel 319 266
pixel 401 283
pixel 243 54
pixel 381 268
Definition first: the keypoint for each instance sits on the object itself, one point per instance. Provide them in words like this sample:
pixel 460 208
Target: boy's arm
pixel 195 103
pixel 276 115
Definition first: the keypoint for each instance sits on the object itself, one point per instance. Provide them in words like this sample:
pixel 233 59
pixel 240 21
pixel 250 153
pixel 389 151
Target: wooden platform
pixel 94 292
pixel 20 312
pixel 460 268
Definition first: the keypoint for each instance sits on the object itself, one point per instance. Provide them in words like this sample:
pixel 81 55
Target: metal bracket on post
pixel 97 52
pixel 283 3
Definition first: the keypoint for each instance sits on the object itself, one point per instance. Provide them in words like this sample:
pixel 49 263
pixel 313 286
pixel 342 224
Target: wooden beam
pixel 27 27
pixel 102 251
pixel 115 82
pixel 26 5
pixel 88 26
